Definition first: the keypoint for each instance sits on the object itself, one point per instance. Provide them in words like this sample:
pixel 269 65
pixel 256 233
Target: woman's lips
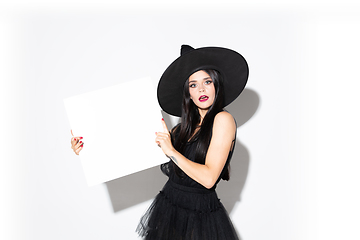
pixel 203 98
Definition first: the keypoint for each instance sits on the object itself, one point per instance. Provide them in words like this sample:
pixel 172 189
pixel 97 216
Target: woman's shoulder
pixel 224 121
pixel 224 117
pixel 224 128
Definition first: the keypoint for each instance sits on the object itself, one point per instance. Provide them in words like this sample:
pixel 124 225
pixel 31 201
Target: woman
pixel 196 86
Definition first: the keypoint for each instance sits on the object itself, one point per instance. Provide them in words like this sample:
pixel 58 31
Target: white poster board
pixel 118 126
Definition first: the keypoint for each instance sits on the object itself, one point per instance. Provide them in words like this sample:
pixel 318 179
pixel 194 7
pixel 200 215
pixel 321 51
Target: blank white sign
pixel 118 126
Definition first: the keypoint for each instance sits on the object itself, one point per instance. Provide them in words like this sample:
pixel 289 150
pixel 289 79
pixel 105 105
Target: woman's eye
pixel 192 85
pixel 208 82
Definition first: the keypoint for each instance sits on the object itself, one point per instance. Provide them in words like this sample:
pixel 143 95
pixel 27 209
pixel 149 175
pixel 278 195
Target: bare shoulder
pixel 224 121
pixel 224 118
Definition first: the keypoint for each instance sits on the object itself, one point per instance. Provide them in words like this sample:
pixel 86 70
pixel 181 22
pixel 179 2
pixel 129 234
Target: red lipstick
pixel 203 98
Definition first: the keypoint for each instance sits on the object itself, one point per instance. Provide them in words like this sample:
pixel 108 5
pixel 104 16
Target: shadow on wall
pixel 135 188
pixel 138 187
pixel 142 186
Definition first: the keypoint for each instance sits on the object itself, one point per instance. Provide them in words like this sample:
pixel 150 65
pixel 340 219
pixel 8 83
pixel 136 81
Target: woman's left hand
pixel 163 140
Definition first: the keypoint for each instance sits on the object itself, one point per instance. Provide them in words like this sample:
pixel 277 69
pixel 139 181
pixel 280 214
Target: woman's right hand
pixel 76 144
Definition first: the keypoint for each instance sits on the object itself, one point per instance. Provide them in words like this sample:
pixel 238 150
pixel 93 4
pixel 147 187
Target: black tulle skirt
pixel 184 213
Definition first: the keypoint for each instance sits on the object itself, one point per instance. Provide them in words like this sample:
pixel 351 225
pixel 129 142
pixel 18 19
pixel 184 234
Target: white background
pixel 296 163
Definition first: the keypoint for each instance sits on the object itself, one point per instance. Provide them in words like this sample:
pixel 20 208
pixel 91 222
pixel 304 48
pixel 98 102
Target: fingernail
pixel 81 137
pixel 80 141
pixel 162 119
pixel 82 145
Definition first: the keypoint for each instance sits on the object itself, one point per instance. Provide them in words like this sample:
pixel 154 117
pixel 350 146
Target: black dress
pixel 186 210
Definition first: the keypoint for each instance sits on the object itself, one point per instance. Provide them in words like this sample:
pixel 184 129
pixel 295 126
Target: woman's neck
pixel 202 114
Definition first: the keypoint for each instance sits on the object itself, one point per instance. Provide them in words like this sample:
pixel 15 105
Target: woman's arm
pixel 223 134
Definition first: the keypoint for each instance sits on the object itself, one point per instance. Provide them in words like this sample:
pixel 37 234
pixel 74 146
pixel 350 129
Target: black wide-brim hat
pixel 230 64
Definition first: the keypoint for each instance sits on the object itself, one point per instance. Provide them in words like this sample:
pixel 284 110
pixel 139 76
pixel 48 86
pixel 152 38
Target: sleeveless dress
pixel 186 210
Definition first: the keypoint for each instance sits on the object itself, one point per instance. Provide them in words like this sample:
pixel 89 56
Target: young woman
pixel 196 87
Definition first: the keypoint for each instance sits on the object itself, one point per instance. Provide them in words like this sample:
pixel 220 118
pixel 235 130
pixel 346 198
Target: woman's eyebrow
pixel 205 78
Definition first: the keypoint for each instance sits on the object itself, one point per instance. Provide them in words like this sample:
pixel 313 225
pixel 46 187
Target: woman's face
pixel 202 90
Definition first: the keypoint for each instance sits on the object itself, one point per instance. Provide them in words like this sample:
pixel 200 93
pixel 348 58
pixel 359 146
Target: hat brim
pixel 230 64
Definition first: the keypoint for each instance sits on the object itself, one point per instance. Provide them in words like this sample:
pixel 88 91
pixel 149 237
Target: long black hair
pixel 190 120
